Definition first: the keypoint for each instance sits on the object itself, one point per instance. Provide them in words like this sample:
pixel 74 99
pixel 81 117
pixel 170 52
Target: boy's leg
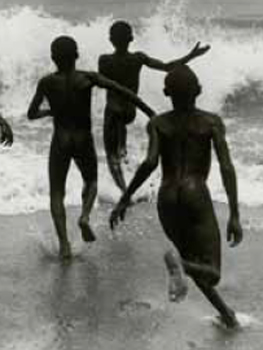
pixel 228 316
pixel 205 278
pixel 199 246
pixel 122 131
pixel 58 168
pixel 86 161
pixel 112 147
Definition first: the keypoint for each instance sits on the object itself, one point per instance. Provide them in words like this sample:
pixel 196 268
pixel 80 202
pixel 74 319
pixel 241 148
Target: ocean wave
pixel 231 76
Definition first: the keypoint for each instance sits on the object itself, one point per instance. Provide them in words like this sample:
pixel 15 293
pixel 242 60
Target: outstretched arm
pixel 168 66
pixel 141 175
pixel 6 132
pixel 34 111
pixel 234 230
pixel 103 82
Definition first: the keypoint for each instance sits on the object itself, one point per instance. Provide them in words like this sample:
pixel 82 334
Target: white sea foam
pixel 245 320
pixel 234 61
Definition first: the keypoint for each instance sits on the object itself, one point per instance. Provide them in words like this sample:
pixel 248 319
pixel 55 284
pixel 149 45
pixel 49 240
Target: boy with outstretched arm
pixel 125 67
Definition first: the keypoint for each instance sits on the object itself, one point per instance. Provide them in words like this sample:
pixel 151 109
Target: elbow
pixel 228 170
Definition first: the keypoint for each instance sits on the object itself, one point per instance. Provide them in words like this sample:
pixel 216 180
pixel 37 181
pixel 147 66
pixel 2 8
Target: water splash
pixel 233 64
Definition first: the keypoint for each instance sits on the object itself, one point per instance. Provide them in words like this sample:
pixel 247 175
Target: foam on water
pixel 234 62
pixel 244 320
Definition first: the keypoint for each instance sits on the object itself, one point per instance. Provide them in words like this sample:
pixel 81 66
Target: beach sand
pixel 114 293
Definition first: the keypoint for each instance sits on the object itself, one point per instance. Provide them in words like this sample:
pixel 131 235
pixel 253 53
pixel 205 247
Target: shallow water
pixel 114 293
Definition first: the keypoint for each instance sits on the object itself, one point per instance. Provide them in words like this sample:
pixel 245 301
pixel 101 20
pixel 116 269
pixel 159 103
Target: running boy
pixel 125 67
pixel 68 92
pixel 184 204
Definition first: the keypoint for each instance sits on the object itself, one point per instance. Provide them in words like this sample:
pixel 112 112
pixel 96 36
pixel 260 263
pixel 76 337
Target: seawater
pixel 231 75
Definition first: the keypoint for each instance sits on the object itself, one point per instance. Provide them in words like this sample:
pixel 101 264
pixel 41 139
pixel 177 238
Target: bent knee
pixel 213 278
pixel 114 161
pixel 209 278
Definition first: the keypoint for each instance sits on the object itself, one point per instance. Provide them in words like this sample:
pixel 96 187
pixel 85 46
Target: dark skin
pixel 68 92
pixel 184 205
pixel 125 67
pixel 6 132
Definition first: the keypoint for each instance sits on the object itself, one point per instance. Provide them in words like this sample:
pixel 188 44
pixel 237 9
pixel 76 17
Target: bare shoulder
pixel 163 123
pixel 47 78
pixel 86 79
pixel 140 56
pixel 105 58
pixel 46 81
pixel 211 120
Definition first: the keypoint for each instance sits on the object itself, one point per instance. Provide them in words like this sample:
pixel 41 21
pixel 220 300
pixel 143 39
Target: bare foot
pixel 65 251
pixel 230 320
pixel 86 231
pixel 177 288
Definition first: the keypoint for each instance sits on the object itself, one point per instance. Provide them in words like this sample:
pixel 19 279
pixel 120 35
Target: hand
pixel 199 50
pixel 234 232
pixel 118 213
pixel 6 133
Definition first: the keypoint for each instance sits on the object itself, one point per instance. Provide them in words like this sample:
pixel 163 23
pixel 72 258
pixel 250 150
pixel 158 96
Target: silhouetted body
pixel 182 139
pixel 68 92
pixel 125 67
pixel 184 203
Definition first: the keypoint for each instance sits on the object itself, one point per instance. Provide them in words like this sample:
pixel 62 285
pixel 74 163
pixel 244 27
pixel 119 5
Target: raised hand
pixel 199 50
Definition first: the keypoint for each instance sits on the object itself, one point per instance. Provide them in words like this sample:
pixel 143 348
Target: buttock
pixel 73 142
pixel 189 221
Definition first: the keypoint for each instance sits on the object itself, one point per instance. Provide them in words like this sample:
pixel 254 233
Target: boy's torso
pixel 69 96
pixel 185 145
pixel 124 69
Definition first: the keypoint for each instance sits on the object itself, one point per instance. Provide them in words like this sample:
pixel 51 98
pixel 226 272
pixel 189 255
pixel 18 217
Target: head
pixel 64 52
pixel 121 35
pixel 182 86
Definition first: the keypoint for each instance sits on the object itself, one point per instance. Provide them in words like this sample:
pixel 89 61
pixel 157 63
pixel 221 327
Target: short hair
pixel 181 80
pixel 64 47
pixel 121 30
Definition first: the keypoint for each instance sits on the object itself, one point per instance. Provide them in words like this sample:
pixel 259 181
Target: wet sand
pixel 113 296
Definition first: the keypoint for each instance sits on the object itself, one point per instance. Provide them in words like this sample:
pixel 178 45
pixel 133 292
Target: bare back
pixel 124 69
pixel 69 96
pixel 185 146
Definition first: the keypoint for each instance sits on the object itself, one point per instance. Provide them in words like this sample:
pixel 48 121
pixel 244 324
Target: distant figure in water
pixel 6 133
pixel 125 67
pixel 68 92
pixel 183 138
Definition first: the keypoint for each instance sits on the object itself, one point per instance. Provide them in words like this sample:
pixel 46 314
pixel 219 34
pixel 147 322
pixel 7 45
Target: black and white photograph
pixel 131 174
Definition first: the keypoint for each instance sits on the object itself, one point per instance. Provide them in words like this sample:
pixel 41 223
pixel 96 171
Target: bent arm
pixel 168 66
pixel 103 82
pixel 143 172
pixel 34 111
